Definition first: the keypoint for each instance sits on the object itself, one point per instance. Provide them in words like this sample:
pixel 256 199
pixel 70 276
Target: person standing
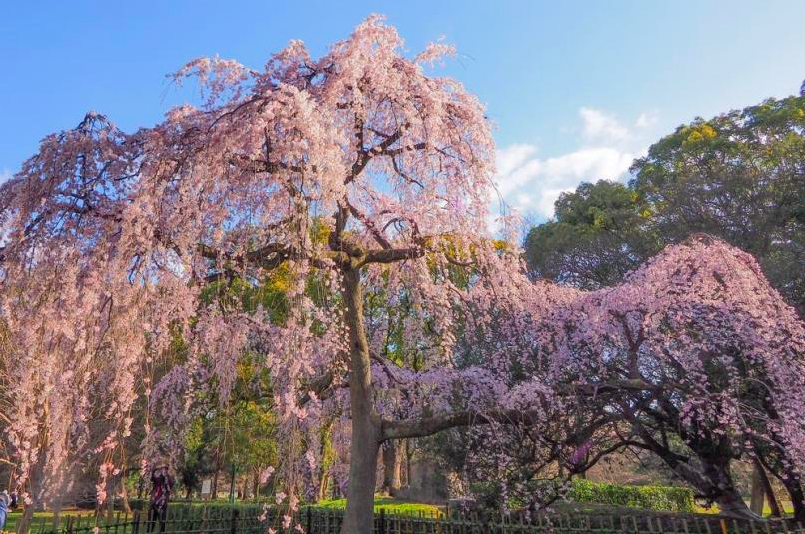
pixel 161 485
pixel 4 502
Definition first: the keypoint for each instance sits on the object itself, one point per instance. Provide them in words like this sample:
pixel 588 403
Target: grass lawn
pixel 788 508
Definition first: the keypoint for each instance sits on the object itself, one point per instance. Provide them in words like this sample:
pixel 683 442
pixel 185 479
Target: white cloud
pixel 5 174
pixel 535 184
pixel 597 125
pixel 531 184
pixel 647 119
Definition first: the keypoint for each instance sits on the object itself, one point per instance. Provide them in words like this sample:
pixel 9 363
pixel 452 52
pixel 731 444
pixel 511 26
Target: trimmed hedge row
pixel 187 508
pixel 661 498
pixel 181 508
pixel 658 498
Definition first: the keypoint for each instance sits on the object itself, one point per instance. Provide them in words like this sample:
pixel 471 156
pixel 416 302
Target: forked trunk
pixel 365 440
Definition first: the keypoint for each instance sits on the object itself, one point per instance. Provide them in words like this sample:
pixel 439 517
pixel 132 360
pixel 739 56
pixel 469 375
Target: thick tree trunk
pixel 795 491
pixel 731 504
pixel 717 472
pixel 24 523
pixel 758 495
pixel 57 505
pixel 774 505
pixel 365 440
pixel 714 481
pixel 392 466
pixel 34 484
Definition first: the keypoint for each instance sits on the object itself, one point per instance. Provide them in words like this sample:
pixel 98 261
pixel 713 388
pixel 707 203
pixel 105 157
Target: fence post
pixel 234 525
pixel 382 526
pixel 136 522
pixel 309 520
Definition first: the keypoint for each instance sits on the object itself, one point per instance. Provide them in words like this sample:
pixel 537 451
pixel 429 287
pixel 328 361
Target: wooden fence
pixel 234 520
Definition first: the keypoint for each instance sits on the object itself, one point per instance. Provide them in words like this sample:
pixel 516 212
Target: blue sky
pixel 576 89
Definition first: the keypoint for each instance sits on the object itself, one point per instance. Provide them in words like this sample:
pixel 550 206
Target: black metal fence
pixel 312 520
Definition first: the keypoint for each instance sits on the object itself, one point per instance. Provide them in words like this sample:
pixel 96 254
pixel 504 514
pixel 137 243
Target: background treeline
pixel 739 176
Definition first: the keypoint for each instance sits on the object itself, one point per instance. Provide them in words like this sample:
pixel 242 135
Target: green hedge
pixel 662 498
pixel 659 498
pixel 181 507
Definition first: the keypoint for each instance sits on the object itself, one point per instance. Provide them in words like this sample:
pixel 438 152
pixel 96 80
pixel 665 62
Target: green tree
pixel 739 176
pixel 599 233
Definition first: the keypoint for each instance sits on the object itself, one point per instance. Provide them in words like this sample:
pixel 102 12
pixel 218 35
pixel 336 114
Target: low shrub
pixel 661 498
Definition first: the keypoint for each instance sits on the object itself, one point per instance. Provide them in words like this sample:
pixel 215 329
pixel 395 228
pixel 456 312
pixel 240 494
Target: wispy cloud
pixel 599 126
pixel 5 174
pixel 531 183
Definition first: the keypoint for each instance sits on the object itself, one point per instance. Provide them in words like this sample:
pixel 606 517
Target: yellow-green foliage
pixel 390 505
pixel 664 498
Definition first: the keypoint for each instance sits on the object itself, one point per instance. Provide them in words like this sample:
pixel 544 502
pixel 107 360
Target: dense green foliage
pixel 388 504
pixel 739 176
pixel 660 498
pixel 657 498
pixel 598 234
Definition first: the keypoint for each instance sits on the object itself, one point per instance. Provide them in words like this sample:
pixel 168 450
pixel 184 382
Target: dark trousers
pixel 157 513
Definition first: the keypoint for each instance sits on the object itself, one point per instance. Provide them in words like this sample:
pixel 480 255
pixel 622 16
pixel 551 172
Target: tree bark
pixel 795 491
pixel 392 466
pixel 57 505
pixel 365 441
pixel 111 484
pixel 34 483
pixel 25 520
pixel 214 488
pixel 713 482
pixel 124 494
pixel 324 486
pixel 758 495
pixel 774 506
pixel 232 486
pixel 730 502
